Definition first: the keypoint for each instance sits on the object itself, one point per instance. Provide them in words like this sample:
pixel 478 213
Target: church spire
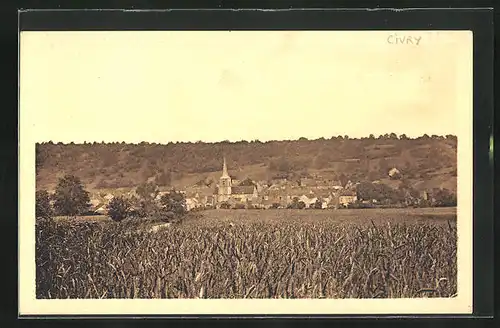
pixel 224 169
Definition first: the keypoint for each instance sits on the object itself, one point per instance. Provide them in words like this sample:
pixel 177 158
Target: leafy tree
pixel 174 202
pixel 318 204
pixel 147 193
pixel 294 203
pixel 119 208
pixel 43 206
pixel 379 192
pixel 367 191
pixel 70 197
pixel 393 136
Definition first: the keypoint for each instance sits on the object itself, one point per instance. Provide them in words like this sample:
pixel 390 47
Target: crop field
pixel 388 253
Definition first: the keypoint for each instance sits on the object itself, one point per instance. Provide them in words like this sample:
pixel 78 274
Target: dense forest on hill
pixel 424 160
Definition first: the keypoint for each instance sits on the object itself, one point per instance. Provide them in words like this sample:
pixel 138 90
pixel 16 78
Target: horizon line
pixel 226 141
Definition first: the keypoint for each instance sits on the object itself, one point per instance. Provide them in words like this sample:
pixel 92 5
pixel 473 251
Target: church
pixel 226 192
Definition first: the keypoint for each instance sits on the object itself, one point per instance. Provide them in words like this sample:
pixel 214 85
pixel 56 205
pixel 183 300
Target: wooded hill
pixel 425 162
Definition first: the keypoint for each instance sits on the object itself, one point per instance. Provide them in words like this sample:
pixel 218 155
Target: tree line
pixel 386 136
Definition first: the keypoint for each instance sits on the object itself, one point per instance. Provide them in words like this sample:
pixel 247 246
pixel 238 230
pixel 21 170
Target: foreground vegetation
pixel 230 258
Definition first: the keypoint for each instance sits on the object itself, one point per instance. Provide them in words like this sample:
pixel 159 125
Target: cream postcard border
pixel 29 305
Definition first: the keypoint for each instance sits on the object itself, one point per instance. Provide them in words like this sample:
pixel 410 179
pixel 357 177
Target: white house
pixel 191 203
pixel 394 172
pixel 347 197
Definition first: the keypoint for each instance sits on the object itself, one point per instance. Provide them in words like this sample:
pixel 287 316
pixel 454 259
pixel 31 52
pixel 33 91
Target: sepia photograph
pixel 330 171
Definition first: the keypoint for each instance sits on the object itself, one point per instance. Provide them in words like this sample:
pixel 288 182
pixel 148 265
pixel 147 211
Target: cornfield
pixel 246 260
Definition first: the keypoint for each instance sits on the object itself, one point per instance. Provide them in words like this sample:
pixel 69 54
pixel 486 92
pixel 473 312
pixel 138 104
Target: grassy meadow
pixel 389 253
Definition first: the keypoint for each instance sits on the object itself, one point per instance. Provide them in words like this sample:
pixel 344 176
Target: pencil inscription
pixel 405 39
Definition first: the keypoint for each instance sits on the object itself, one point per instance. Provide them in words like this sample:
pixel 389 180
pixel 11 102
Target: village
pixel 280 193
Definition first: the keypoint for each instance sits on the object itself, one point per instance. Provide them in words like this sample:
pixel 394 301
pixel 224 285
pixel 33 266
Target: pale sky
pixel 242 85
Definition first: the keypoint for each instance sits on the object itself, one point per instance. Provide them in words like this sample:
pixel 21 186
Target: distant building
pixel 394 173
pixel 192 203
pixel 102 210
pixel 244 193
pixel 347 197
pixel 227 192
pixel 210 200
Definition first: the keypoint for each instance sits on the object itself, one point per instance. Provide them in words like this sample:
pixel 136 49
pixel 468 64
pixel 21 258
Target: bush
pixel 165 215
pixel 444 198
pixel 119 208
pixel 297 204
pixel 318 204
pixel 225 205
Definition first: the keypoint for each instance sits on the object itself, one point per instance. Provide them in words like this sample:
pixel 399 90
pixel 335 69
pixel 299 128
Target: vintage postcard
pixel 245 172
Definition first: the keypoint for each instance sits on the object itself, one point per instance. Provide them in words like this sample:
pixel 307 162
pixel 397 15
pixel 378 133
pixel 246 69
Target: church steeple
pixel 224 169
pixel 224 184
